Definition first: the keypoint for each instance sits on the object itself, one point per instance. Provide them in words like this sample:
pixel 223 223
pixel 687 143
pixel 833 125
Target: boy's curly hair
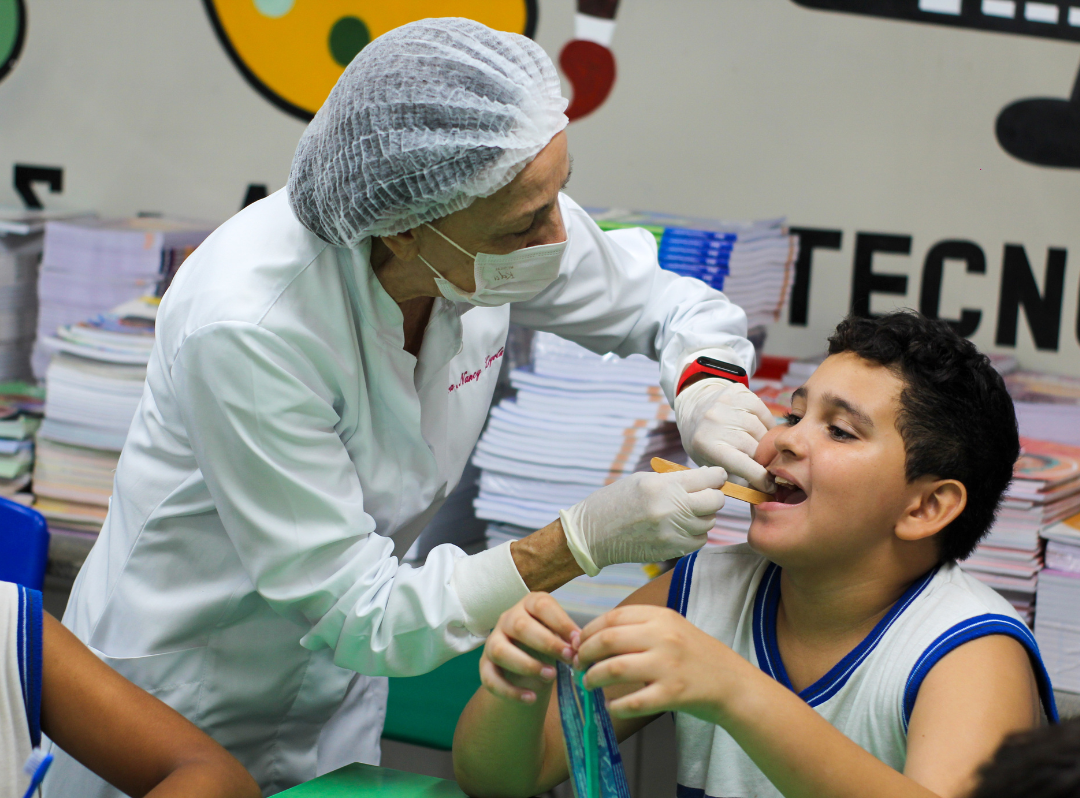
pixel 956 418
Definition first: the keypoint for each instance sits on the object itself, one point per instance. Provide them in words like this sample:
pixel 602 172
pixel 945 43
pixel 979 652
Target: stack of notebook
pixel 91 265
pixel 1057 626
pixel 1047 405
pixel 1044 491
pixel 93 386
pixel 751 262
pixel 579 421
pixel 20 416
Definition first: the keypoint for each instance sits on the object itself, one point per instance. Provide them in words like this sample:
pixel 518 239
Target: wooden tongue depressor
pixel 662 466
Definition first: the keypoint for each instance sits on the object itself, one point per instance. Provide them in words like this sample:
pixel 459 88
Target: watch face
pixel 721 366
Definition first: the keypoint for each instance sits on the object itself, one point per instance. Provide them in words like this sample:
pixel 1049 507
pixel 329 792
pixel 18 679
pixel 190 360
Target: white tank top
pixel 732 593
pixel 20 684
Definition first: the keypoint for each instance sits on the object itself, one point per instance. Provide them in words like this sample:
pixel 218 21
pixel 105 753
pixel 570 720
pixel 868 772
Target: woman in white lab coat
pixel 324 365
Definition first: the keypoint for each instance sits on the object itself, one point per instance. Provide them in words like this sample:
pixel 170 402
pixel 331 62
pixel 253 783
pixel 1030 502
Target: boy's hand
pixel 529 637
pixel 683 668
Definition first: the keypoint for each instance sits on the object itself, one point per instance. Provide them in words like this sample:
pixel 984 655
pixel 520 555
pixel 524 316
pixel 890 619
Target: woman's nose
pixel 553 231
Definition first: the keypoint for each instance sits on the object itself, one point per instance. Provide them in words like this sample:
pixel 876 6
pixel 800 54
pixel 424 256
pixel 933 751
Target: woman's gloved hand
pixel 721 423
pixel 644 518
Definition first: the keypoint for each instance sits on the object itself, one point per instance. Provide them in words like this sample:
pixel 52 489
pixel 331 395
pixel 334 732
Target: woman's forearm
pixel 500 747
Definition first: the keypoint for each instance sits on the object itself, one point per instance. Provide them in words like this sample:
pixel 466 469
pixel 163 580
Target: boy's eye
pixel 840 435
pixel 791 419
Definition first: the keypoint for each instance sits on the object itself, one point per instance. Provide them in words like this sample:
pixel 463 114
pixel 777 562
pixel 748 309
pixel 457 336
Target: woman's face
pixel 523 213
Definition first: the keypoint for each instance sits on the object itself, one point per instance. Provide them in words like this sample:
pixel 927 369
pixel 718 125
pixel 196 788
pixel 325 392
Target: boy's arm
pixel 968 703
pixel 802 754
pixel 125 735
pixel 509 740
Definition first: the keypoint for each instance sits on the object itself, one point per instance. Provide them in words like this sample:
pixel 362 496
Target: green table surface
pixel 423 710
pixel 361 781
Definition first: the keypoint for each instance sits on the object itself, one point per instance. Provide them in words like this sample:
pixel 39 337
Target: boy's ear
pixel 935 504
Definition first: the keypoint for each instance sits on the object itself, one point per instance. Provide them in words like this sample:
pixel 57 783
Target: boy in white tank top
pixel 842 652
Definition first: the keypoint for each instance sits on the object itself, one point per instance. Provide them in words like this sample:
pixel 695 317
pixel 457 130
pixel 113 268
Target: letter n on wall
pixel 1019 289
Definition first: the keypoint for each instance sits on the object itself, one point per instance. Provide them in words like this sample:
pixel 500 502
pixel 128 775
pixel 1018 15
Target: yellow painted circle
pixel 288 55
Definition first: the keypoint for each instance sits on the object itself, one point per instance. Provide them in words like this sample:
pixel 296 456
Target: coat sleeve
pixel 261 423
pixel 612 296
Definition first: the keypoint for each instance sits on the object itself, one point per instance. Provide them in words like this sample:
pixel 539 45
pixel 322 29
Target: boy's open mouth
pixel 788 492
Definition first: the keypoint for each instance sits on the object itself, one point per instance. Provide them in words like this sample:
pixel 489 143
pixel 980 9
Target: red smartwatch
pixel 711 367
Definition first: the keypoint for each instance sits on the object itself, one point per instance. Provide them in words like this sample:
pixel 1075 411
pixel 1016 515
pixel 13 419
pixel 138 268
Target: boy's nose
pixel 767 449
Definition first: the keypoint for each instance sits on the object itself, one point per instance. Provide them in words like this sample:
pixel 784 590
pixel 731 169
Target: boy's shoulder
pixel 715 577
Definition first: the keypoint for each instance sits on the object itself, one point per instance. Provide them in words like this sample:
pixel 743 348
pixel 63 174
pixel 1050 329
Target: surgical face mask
pixel 514 277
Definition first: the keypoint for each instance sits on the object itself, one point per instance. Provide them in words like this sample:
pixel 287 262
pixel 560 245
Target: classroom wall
pixel 877 135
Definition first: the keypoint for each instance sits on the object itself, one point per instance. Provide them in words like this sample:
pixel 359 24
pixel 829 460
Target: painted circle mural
pixel 293 51
pixel 12 33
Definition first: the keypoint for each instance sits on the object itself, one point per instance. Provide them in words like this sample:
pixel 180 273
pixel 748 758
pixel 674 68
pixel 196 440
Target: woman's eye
pixel 791 419
pixel 841 435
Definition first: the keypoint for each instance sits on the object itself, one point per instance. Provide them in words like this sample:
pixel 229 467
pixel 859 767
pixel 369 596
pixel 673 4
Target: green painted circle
pixel 10 24
pixel 348 37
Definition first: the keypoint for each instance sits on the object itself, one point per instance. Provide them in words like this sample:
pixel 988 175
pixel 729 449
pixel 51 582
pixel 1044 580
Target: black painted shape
pixel 25 176
pixel 864 281
pixel 1018 288
pixel 255 192
pixel 1043 131
pixel 20 39
pixel 934 269
pixel 532 17
pixel 277 100
pixel 970 16
pixel 810 238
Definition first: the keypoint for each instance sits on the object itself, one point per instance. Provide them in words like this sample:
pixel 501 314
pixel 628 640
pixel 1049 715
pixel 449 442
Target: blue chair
pixel 24 545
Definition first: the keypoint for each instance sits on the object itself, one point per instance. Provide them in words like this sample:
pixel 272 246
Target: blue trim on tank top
pixel 766 605
pixel 972 629
pixel 678 597
pixel 28 643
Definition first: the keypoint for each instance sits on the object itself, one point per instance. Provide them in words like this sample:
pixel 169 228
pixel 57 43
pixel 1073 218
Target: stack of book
pixel 1057 626
pixel 93 386
pixel 751 262
pixel 21 241
pixel 91 265
pixel 1044 491
pixel 20 415
pixel 579 421
pixel 1047 405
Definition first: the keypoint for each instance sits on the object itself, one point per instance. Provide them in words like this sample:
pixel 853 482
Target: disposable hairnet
pixel 425 119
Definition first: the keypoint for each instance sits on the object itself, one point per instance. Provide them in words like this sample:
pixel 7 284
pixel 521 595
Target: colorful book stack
pixel 751 262
pixel 1047 405
pixel 579 421
pixel 1057 625
pixel 1044 491
pixel 20 415
pixel 91 265
pixel 21 241
pixel 93 386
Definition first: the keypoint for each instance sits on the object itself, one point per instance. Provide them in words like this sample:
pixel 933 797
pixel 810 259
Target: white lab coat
pixel 287 451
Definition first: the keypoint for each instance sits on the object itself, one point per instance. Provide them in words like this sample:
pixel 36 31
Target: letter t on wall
pixel 865 281
pixel 810 238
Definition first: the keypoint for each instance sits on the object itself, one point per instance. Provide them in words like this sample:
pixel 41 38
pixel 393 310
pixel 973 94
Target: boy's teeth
pixel 782 481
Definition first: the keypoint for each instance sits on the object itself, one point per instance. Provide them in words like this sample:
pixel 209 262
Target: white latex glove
pixel 644 517
pixel 721 423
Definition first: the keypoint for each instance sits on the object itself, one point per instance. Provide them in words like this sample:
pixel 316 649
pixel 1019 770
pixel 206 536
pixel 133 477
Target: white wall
pixel 732 108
